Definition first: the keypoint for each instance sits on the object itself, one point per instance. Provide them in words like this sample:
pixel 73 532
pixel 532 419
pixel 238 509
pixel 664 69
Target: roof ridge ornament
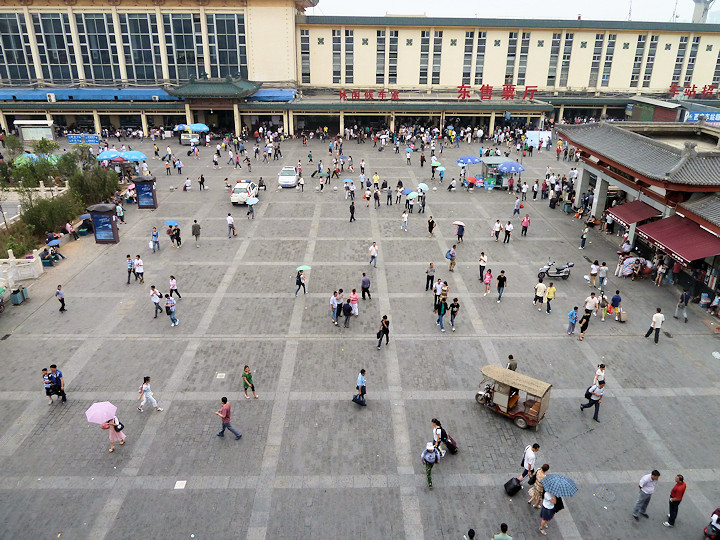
pixel 688 152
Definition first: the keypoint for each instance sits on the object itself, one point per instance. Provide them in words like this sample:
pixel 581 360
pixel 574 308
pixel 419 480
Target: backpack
pixel 588 392
pixel 447 255
pixel 298 281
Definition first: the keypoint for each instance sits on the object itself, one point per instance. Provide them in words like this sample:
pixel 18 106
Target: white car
pixel 288 177
pixel 242 191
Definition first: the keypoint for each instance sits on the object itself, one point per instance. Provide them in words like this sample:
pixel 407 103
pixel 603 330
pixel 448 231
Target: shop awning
pixel 682 239
pixel 632 212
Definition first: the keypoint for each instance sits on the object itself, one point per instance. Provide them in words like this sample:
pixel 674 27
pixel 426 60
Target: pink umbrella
pixel 100 412
pixel 131 186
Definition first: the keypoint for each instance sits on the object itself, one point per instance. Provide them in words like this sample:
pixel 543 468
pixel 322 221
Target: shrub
pixel 94 185
pixel 52 214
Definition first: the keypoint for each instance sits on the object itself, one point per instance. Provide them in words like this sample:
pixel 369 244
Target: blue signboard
pixel 91 139
pixel 145 195
pixel 74 138
pixel 103 227
pixel 693 116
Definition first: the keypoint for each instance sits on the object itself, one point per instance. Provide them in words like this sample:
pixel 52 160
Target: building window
pixel 349 55
pixel 467 57
pixel 650 62
pixel 228 50
pixel 392 58
pixel 637 62
pixel 336 58
pixel 522 64
pixel 677 70
pixel 57 54
pixel 141 47
pixel 437 57
pixel 480 57
pixel 97 46
pixel 565 65
pixel 554 55
pixel 183 38
pixel 15 63
pixel 596 57
pixel 691 60
pixel 305 56
pixel 511 52
pixel 380 58
pixel 607 66
pixel 424 56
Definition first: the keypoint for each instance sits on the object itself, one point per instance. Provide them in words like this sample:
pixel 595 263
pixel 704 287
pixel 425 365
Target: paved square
pixel 310 463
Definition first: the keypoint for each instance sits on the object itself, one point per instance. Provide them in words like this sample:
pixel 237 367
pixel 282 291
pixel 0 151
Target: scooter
pixel 712 531
pixel 557 272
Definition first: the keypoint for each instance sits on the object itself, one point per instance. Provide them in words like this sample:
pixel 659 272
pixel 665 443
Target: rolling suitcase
pixel 622 316
pixel 512 486
pixel 451 444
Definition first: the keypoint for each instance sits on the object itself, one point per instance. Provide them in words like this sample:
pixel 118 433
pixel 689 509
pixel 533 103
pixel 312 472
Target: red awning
pixel 681 238
pixel 632 212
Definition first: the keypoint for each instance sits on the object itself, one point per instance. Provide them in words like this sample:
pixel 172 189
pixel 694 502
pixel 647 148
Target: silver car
pixel 288 177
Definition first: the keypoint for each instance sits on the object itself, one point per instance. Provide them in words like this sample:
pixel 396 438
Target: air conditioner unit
pixel 51 98
pixel 156 98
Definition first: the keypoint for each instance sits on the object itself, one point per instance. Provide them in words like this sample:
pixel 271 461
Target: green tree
pixel 94 185
pixel 45 147
pixel 14 147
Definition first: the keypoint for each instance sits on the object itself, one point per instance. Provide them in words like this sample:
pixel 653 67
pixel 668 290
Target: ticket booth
pixel 104 222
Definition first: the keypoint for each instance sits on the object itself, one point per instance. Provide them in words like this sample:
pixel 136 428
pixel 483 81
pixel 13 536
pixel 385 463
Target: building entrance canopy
pixel 681 238
pixel 632 212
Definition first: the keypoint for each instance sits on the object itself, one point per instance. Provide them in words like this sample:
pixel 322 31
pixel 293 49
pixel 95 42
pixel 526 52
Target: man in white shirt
pixel 508 229
pixel 540 289
pixel 647 486
pixel 657 321
pixel 333 307
pixel 529 460
pixel 596 394
pixel 139 269
pixel 231 225
pixel 373 254
pixel 591 303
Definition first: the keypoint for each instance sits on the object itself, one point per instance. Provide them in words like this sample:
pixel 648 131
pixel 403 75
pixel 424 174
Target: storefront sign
pixel 692 91
pixel 509 91
pixel 369 95
pixel 91 139
pixel 103 227
pixel 694 116
pixel 74 138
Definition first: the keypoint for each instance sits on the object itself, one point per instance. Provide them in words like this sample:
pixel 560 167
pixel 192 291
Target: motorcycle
pixel 557 272
pixel 712 531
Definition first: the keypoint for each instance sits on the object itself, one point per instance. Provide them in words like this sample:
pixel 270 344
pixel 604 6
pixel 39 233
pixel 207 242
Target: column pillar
pixel 4 124
pixel 237 119
pixel 392 124
pixel 205 42
pixel 342 122
pixel 599 196
pixel 76 44
pixel 48 117
pixel 582 183
pixel 119 44
pixel 290 129
pixel 442 120
pixel 96 121
pixel 541 123
pixel 32 38
pixel 529 119
pixel 491 127
pixel 560 114
pixel 163 45
pixel 188 115
pixel 143 121
pixel 604 111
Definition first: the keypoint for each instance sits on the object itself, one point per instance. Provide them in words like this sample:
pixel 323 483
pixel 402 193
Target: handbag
pixel 167 310
pixel 559 504
pixel 120 426
pixel 379 334
pixel 532 479
pixel 588 393
pixel 150 245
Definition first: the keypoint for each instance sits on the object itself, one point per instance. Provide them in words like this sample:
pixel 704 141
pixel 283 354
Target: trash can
pixel 16 297
pixel 24 292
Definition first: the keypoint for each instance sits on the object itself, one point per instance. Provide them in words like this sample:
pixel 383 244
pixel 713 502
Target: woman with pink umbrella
pixel 103 413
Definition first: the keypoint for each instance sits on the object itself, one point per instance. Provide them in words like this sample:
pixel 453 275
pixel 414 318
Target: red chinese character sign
pixel 463 91
pixel 368 95
pixel 707 91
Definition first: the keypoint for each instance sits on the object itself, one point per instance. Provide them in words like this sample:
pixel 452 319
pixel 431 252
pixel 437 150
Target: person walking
pixel 155 239
pixel 616 304
pixel 231 226
pixel 676 496
pixel 583 237
pixel 352 211
pixel 146 394
pixel 460 233
pixel 139 269
pixel 647 486
pixel 361 388
pixel 300 282
pixel 60 295
pixel 115 432
pixel 173 287
pixel 525 223
pixel 454 310
pixel 373 254
pixel 528 463
pixel 573 316
pixel 431 226
pixel 452 256
pixel 599 374
pixel 602 274
pixel 497 227
pixel 354 297
pixel 508 230
pixel 47 384
pixel 176 236
pixel 482 264
pixel 196 232
pixel 429 457
pixel 656 324
pixel 58 382
pixel 365 286
pixel 224 414
pixel 248 382
pixel 683 302
pixel 516 210
pixel 170 310
pixel 584 322
pixel 537 490
pixel 501 283
pixel 404 220
pixel 384 331
pixel 441 310
pixel 334 307
pixel 595 393
pixel 502 535
pixel 594 267
pixel 547 512
pixel 130 267
pixel 549 296
pixel 347 312
pixel 429 276
pixel 155 296
pixel 540 290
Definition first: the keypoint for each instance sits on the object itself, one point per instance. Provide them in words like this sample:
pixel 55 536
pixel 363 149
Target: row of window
pixel 140 46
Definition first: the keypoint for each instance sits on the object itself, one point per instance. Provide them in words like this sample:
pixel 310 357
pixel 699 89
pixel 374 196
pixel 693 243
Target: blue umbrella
pixel 133 155
pixel 406 191
pixel 559 485
pixel 348 180
pixel 422 186
pixel 511 167
pixel 171 222
pixel 468 160
pixel 108 155
pixel 253 200
pixel 198 127
pixel 409 150
pixel 441 169
pixel 342 156
pixel 53 243
pixel 84 216
pixel 180 127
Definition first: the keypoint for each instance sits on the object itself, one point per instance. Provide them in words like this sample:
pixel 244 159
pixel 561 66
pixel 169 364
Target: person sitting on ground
pixel 261 185
pixel 53 236
pixel 636 270
pixel 55 252
pixel 45 255
pixel 452 185
pixel 626 247
pixel 713 309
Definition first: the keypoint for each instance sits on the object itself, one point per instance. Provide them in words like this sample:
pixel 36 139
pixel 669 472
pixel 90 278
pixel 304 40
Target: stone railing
pixel 13 270
pixel 10 195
